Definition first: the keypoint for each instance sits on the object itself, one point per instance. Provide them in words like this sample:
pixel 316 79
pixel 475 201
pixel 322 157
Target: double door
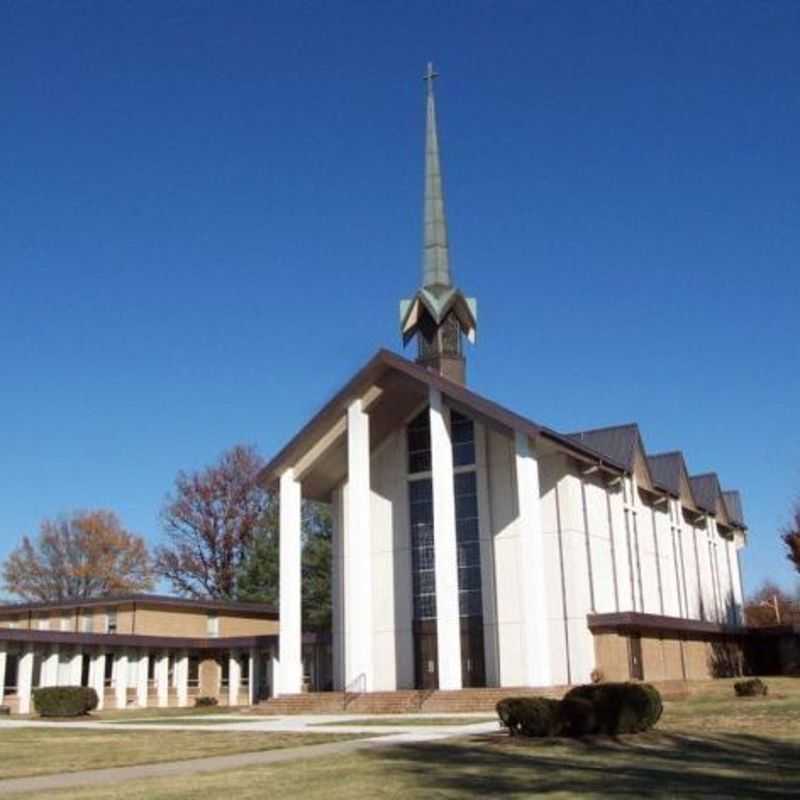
pixel 426 655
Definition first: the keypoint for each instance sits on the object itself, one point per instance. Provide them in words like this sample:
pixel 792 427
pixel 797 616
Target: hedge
pixel 605 708
pixel 750 688
pixel 530 716
pixel 204 702
pixel 620 707
pixel 64 701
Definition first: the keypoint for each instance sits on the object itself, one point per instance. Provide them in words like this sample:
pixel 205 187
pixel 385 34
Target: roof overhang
pixel 392 389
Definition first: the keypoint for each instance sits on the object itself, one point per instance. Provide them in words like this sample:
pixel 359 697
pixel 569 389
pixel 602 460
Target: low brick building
pixel 139 650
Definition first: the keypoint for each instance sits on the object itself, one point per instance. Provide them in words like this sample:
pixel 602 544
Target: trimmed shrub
pixel 620 707
pixel 64 701
pixel 750 688
pixel 204 702
pixel 530 716
pixel 577 717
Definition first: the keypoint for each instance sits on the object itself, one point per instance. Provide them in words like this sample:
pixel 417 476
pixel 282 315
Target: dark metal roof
pixel 159 600
pixel 633 621
pixel 132 639
pixel 617 442
pixel 733 505
pixel 666 470
pixel 705 489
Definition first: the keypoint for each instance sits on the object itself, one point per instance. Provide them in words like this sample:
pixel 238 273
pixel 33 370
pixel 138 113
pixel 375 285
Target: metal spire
pixel 436 265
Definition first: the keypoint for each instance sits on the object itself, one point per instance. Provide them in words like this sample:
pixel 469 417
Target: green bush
pixel 529 716
pixel 577 717
pixel 620 707
pixel 64 701
pixel 201 702
pixel 750 688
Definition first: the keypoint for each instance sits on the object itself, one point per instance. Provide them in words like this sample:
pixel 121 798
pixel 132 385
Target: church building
pixel 475 547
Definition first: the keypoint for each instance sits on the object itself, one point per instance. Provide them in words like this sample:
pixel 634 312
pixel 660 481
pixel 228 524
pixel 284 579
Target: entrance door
pixel 427 665
pixel 473 666
pixel 635 657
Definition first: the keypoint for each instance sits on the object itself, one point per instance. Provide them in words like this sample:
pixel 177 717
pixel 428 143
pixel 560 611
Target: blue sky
pixel 208 213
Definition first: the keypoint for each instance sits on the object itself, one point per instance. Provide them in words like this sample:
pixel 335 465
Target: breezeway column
pixel 290 676
pixel 162 679
pixel 448 618
pixel 3 659
pixel 142 669
pixel 182 678
pixel 234 678
pixel 76 668
pixel 531 550
pixel 24 680
pixel 358 554
pixel 121 679
pixel 97 678
pixel 49 676
pixel 251 672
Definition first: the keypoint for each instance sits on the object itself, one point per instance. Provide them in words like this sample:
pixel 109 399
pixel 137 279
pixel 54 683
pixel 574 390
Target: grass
pixel 43 751
pixel 118 715
pixel 711 745
pixel 410 721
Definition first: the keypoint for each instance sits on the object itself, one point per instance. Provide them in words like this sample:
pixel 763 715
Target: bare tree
pixel 771 605
pixel 791 537
pixel 82 555
pixel 210 522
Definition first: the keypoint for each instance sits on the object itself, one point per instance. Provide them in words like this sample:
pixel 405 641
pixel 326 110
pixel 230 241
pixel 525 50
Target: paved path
pixel 380 736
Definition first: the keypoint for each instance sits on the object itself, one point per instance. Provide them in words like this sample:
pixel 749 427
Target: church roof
pixel 706 490
pixel 666 469
pixel 733 503
pixel 614 448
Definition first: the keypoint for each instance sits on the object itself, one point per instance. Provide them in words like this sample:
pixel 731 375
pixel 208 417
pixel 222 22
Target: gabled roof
pixel 705 489
pixel 622 444
pixel 733 503
pixel 666 470
pixel 377 370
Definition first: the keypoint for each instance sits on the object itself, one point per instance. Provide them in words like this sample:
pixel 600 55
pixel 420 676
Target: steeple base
pixel 454 368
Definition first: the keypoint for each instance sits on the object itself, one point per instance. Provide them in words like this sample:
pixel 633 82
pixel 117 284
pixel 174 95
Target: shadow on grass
pixel 665 765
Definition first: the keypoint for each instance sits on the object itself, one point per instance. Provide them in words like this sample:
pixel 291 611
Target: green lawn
pixel 712 745
pixel 412 721
pixel 41 751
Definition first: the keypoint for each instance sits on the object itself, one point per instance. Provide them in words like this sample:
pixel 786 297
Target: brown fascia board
pixel 384 360
pixel 27 636
pixel 155 600
pixel 634 622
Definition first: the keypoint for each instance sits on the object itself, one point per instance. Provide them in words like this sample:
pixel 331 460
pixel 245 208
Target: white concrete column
pixel 290 678
pixel 358 554
pixel 76 668
pixel 448 617
pixel 182 677
pixel 162 679
pixel 275 671
pixel 24 680
pixel 142 668
pixel 49 675
pixel 536 644
pixel 121 679
pixel 251 672
pixel 3 659
pixel 234 678
pixel 98 678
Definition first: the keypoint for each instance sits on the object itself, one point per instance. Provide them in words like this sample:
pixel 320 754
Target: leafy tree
pixel 791 537
pixel 82 555
pixel 211 522
pixel 759 609
pixel 260 573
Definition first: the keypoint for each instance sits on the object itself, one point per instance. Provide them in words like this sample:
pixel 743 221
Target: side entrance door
pixel 426 666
